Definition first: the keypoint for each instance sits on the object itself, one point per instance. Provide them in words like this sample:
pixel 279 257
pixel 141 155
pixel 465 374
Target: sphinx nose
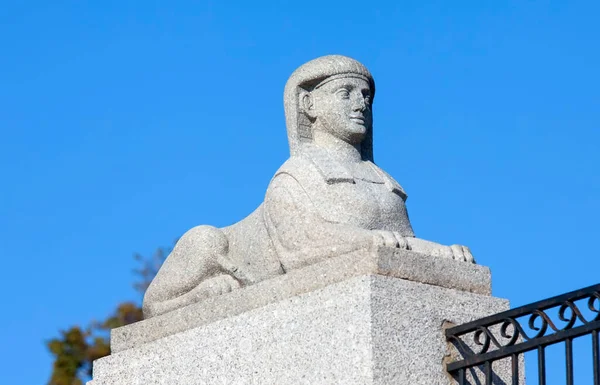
pixel 360 104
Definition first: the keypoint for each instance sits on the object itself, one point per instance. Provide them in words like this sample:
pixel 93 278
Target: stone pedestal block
pixel 357 324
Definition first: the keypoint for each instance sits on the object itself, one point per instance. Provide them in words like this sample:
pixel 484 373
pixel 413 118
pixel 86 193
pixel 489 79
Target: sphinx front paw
pixel 402 241
pixel 456 252
pixel 462 253
pixel 390 239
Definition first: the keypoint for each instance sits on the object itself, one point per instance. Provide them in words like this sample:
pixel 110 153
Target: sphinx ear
pixel 307 104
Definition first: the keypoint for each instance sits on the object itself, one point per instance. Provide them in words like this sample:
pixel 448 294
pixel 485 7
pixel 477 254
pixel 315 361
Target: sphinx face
pixel 342 107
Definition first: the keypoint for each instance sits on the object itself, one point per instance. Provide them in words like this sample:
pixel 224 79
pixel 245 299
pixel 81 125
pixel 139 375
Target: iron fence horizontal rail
pixel 545 304
pixel 524 347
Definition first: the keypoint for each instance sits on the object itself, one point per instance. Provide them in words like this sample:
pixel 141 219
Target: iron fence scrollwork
pixel 533 327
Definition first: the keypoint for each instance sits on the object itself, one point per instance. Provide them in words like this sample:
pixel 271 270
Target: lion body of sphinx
pixel 314 208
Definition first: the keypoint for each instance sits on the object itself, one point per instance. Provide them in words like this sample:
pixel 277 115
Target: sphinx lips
pixel 358 119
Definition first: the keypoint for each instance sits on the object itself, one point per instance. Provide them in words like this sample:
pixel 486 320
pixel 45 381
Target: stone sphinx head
pixel 334 94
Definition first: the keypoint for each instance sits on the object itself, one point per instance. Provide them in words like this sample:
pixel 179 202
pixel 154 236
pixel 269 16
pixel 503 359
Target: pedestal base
pixel 369 329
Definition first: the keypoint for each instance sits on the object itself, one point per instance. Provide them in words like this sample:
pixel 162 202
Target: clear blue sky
pixel 126 123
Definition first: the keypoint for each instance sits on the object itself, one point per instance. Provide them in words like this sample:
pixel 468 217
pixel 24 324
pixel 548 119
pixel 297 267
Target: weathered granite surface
pixel 328 199
pixel 383 261
pixel 369 329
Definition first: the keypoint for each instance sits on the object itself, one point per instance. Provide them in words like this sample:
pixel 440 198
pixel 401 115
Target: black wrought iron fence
pixel 534 327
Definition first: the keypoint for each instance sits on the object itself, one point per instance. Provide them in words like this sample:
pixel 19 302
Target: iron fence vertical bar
pixel 488 373
pixel 461 377
pixel 569 358
pixel 515 369
pixel 595 357
pixel 541 365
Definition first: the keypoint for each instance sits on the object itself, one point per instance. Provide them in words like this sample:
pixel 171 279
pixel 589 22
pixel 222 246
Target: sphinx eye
pixel 368 100
pixel 343 93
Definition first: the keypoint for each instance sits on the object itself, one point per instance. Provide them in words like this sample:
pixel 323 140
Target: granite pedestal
pixel 370 317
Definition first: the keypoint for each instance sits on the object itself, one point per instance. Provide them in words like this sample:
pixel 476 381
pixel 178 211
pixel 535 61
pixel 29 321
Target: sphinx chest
pixel 363 204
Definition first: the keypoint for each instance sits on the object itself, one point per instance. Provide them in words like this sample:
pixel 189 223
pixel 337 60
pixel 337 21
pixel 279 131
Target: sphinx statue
pixel 328 199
